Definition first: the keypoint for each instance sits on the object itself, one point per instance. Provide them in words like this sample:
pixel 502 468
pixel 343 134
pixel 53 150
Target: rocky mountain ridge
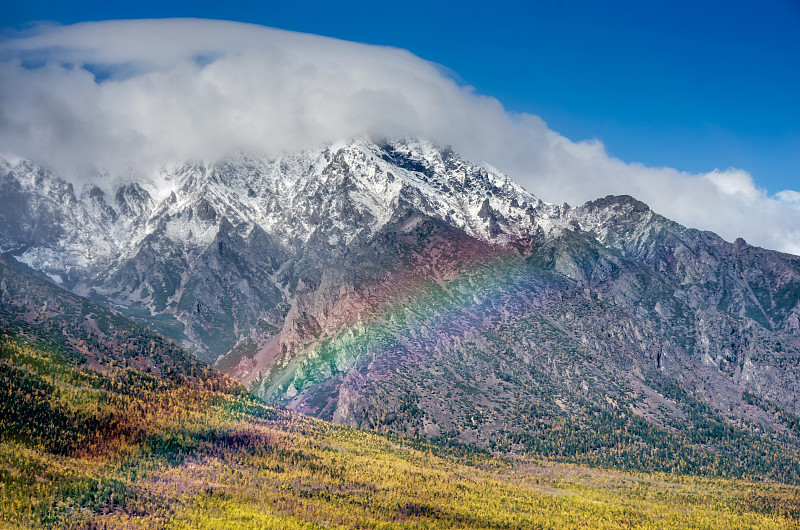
pixel 106 242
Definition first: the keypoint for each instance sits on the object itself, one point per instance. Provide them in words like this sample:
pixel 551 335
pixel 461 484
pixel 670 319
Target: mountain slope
pixel 396 287
pixel 91 438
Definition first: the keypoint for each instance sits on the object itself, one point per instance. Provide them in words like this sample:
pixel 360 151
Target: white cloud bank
pixel 139 94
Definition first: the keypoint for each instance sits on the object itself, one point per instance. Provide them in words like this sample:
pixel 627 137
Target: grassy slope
pixel 113 446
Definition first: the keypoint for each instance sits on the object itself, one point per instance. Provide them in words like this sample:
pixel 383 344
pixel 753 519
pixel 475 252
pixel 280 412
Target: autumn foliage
pixel 120 448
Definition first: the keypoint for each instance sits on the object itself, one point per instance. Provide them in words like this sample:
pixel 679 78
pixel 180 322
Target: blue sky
pixel 692 85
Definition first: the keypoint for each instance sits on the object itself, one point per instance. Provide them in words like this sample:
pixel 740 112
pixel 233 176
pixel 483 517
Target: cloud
pixel 123 95
pixel 789 196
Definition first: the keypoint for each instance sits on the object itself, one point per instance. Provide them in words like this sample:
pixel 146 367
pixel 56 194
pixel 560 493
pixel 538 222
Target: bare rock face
pixel 394 286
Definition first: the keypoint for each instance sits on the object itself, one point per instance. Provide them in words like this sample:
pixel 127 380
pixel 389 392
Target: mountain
pixel 394 286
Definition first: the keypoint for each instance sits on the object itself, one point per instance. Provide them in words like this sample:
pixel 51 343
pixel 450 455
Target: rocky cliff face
pixel 395 286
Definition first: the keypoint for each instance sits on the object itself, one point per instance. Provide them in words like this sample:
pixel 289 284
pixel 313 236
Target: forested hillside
pixel 104 424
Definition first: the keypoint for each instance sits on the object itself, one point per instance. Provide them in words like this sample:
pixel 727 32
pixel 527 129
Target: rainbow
pixel 419 302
